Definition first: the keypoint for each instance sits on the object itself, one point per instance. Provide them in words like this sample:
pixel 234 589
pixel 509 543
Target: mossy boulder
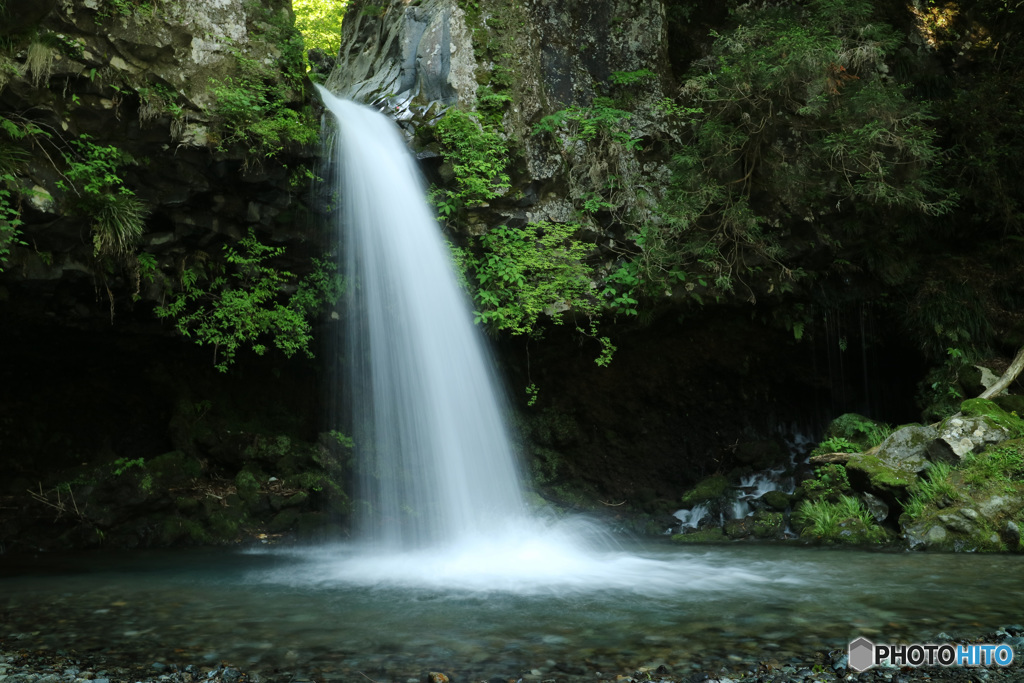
pixel 760 454
pixel 761 524
pixel 777 500
pixel 706 490
pixel 768 524
pixel 284 520
pixel 1011 403
pixel 981 506
pixel 894 465
pixel 958 529
pixel 173 469
pixel 979 424
pixel 708 535
pixel 247 486
pixel 855 428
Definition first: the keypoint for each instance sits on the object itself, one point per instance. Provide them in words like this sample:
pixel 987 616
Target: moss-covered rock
pixel 977 504
pixel 173 469
pixel 285 520
pixel 761 524
pixel 1011 403
pixel 707 490
pixel 247 487
pixel 768 524
pixel 290 500
pixel 777 500
pixel 709 535
pixel 894 465
pixel 857 429
pixel 979 425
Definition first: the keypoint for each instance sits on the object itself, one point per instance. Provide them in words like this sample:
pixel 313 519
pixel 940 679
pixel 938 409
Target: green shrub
pixel 252 104
pixel 241 302
pixel 794 117
pixel 98 193
pixel 835 444
pixel 479 159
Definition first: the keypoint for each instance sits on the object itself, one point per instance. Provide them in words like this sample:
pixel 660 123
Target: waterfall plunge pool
pixel 341 612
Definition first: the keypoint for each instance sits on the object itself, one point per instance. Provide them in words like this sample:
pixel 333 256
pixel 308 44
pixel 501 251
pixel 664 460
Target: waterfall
pixel 435 458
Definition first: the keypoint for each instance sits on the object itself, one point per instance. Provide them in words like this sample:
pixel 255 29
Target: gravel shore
pixel 25 666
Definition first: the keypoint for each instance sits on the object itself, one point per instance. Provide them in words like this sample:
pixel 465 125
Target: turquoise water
pixel 319 612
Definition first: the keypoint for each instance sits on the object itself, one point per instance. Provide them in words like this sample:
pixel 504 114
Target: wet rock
pixel 925 536
pixel 875 506
pixel 707 490
pixel 895 464
pixel 1011 535
pixel 283 521
pixel 993 506
pixel 955 522
pixel 961 436
pixel 777 500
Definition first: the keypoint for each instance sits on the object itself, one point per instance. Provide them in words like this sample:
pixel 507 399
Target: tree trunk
pixel 1011 374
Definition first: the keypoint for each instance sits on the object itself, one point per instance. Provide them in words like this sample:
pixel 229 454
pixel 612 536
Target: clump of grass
pixel 936 485
pixel 844 521
pixel 1003 463
pixel 118 223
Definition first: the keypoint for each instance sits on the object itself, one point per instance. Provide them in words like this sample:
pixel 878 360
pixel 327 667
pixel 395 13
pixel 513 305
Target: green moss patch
pixel 979 407
pixel 707 489
pixel 710 535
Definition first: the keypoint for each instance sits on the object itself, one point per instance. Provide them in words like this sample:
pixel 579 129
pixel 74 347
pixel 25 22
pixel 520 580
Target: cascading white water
pixel 427 418
pixel 439 476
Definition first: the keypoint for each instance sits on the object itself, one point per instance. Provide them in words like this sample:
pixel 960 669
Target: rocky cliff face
pixel 139 84
pixel 188 120
pixel 582 95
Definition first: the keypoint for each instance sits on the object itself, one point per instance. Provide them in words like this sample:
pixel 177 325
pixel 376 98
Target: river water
pixel 336 612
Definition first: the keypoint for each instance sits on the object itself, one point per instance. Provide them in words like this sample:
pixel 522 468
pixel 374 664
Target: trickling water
pixel 427 420
pixel 691 519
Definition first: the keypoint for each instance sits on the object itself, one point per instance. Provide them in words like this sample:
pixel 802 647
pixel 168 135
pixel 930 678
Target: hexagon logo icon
pixel 861 654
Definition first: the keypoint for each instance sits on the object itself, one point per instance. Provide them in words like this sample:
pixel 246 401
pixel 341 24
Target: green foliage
pixel 638 77
pixel 835 444
pixel 1003 463
pixel 126 8
pixel 240 304
pixel 830 481
pixel 93 177
pixel 862 432
pixel 479 157
pixel 587 124
pixel 947 314
pixel 844 521
pixel 792 118
pixel 319 21
pixel 123 465
pixel 935 487
pixel 341 440
pixel 252 105
pixel 10 217
pixel 12 158
pixel 620 288
pixel 523 273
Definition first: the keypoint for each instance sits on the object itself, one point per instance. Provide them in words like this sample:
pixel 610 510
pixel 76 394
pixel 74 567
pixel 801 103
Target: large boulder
pixel 979 424
pixel 889 469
